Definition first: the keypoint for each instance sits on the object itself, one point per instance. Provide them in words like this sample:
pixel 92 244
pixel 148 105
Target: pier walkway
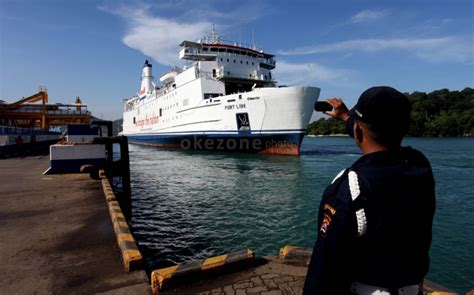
pixel 56 234
pixel 270 278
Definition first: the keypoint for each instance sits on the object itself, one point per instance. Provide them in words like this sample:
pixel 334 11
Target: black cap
pixel 385 109
pixel 147 64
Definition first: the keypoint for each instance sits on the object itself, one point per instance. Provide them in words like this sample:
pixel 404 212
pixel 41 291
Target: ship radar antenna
pixel 214 37
pixel 253 39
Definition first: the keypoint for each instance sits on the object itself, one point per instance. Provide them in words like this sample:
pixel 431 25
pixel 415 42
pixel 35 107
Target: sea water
pixel 190 204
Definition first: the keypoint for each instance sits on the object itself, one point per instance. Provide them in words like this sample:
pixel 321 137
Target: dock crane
pixel 27 113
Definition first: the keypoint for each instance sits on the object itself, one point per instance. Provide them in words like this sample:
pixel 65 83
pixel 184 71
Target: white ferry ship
pixel 224 99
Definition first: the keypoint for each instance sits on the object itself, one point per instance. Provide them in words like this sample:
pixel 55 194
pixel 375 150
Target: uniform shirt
pixel 397 198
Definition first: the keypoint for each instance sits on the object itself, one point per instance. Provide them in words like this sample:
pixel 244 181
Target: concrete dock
pixel 57 235
pixel 269 277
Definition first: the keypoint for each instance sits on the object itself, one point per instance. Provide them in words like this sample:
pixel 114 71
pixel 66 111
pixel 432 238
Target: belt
pixel 364 289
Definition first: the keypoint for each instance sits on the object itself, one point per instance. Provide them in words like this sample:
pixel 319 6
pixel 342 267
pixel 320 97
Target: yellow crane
pixel 27 113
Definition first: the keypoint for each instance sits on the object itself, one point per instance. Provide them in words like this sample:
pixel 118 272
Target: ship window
pixel 230 50
pixel 204 49
pixel 221 49
pixel 227 60
pixel 214 73
pixel 241 62
pixel 213 49
pixel 134 120
pixel 252 63
pixel 254 55
pixel 161 112
pixel 247 62
pixel 234 60
pixel 222 59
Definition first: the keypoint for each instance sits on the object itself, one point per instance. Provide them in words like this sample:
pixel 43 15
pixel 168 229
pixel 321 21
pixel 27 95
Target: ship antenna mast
pixel 214 37
pixel 253 39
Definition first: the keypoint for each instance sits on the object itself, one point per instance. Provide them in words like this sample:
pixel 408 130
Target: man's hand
pixel 339 111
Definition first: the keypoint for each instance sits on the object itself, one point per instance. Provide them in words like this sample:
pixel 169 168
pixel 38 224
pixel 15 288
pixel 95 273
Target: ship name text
pixel 235 106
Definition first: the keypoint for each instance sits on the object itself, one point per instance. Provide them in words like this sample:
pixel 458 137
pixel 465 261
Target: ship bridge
pixel 194 51
pixel 210 51
pixel 239 67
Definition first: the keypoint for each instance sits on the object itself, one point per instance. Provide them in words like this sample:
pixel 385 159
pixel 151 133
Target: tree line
pixel 439 113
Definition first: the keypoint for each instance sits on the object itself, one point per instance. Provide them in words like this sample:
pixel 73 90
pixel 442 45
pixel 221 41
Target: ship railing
pixel 7 130
pixel 222 74
pixel 235 44
pixel 54 109
pixel 130 105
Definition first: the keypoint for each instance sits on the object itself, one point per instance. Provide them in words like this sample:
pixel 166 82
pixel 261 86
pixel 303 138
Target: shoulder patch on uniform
pixel 325 225
pixel 330 209
pixel 354 185
pixel 360 214
pixel 361 222
pixel 329 213
pixel 338 175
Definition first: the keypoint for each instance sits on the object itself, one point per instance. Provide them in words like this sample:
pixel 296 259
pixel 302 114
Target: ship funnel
pixel 147 80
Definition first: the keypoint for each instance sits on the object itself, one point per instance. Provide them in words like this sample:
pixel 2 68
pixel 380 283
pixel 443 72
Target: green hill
pixel 439 113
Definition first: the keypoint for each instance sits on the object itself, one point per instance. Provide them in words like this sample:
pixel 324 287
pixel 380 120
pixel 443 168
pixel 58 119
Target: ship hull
pixel 266 120
pixel 277 143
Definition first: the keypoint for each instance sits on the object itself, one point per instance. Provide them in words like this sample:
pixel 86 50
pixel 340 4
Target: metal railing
pixel 5 130
pixel 54 109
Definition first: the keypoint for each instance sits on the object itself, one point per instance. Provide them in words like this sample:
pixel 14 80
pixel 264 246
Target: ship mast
pixel 213 37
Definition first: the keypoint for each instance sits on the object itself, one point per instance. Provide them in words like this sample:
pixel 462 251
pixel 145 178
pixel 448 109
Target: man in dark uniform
pixel 375 218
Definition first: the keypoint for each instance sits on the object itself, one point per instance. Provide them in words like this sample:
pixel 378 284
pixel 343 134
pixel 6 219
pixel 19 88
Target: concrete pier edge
pixel 161 277
pixel 108 192
pixel 131 255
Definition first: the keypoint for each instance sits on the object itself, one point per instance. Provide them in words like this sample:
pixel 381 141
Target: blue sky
pixel 96 49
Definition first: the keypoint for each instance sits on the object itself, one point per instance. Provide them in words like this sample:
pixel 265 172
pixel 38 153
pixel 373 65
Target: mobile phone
pixel 322 106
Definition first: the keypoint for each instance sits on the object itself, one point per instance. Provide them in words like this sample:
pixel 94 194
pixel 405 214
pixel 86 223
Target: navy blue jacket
pixel 397 197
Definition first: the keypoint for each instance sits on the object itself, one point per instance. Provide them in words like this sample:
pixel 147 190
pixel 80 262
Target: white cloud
pixel 158 37
pixel 368 16
pixel 308 73
pixel 435 50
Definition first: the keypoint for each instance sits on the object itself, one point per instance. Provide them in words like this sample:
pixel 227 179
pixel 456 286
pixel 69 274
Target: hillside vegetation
pixel 439 113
